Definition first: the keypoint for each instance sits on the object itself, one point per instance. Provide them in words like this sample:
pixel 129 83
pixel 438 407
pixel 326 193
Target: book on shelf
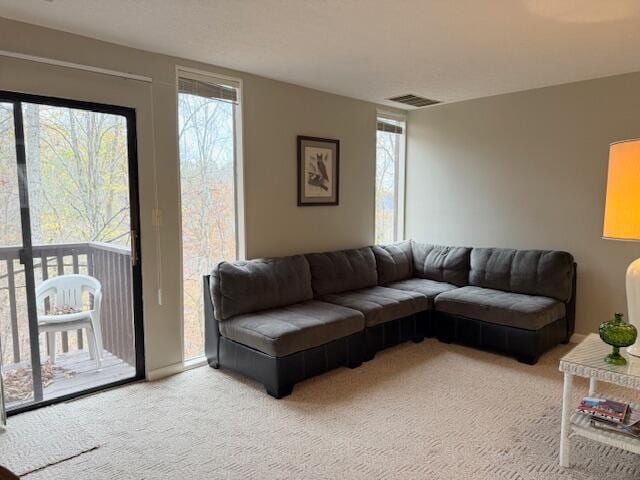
pixel 604 409
pixel 630 429
pixel 611 416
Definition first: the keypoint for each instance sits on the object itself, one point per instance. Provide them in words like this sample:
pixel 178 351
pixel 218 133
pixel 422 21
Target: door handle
pixel 21 256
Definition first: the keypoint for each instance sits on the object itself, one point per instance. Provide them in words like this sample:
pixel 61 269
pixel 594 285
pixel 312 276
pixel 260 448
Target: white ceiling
pixel 450 50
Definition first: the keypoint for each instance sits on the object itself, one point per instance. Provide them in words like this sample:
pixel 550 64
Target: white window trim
pixel 399 227
pixel 241 246
pixel 391 115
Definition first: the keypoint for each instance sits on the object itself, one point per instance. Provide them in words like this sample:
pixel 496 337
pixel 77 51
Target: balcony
pixel 73 371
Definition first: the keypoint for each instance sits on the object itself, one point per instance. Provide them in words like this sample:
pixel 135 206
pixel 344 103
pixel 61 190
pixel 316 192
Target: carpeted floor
pixel 428 411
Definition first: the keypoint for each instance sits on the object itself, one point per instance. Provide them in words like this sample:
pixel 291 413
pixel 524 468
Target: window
pixel 389 196
pixel 208 113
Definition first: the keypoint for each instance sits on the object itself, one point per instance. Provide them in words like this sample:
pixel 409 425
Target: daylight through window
pixel 389 195
pixel 207 110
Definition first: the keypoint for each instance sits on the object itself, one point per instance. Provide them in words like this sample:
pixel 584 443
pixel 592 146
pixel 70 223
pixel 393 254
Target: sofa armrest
pixel 571 305
pixel 211 327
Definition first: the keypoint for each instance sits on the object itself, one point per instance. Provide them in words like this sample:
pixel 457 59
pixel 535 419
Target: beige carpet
pixel 428 411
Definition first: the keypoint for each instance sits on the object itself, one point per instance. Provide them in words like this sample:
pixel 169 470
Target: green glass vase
pixel 617 333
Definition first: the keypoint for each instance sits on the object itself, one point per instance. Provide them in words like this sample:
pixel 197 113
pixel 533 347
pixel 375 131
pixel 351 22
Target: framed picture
pixel 318 171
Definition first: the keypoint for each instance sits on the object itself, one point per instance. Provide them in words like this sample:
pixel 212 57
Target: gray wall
pixel 274 113
pixel 527 170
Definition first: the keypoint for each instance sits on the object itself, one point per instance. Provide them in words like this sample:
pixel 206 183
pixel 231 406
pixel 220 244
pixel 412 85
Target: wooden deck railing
pixel 110 264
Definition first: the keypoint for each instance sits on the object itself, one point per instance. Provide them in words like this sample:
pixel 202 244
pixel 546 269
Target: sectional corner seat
pixel 281 320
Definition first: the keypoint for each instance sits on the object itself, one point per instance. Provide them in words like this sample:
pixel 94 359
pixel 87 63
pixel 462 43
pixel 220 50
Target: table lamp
pixel 622 217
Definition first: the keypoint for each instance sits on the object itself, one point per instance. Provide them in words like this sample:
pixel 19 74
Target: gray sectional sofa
pixel 281 320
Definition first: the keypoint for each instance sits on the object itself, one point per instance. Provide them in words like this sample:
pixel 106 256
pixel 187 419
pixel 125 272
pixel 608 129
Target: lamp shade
pixel 622 208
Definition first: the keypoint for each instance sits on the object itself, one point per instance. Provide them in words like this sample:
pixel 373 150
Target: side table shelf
pixel 581 425
pixel 587 360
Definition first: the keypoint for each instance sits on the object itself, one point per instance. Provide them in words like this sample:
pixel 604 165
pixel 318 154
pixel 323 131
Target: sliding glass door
pixel 70 282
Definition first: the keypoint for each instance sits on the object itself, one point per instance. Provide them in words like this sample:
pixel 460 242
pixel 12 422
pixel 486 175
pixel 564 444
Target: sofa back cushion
pixel 335 272
pixel 249 286
pixel 440 263
pixel 535 272
pixel 394 262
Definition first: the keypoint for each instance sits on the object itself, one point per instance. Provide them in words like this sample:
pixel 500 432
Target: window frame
pixel 400 177
pixel 238 131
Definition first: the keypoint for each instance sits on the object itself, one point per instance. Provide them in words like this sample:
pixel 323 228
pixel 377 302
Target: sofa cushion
pixel 282 331
pixel 516 310
pixel 534 272
pixel 440 263
pixel 334 272
pixel 380 304
pixel 428 288
pixel 394 262
pixel 250 286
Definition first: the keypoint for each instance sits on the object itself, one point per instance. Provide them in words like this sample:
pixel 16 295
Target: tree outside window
pixel 207 177
pixel 388 158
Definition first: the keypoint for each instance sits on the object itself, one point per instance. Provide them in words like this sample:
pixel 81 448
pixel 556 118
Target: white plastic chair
pixel 67 290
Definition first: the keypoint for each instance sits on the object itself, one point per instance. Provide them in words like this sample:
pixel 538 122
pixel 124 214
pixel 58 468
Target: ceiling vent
pixel 414 100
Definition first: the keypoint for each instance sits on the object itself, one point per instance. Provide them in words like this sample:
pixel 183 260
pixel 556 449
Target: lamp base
pixel 633 302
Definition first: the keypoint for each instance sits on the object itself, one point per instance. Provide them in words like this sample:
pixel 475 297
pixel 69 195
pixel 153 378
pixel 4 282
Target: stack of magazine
pixel 611 416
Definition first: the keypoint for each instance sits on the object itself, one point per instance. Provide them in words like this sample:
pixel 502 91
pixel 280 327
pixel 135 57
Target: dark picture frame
pixel 318 171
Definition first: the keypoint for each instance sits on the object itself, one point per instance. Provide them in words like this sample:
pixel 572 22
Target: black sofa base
pixel 525 345
pixel 393 333
pixel 425 326
pixel 280 374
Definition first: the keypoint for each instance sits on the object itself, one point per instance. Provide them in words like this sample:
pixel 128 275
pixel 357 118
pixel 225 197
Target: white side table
pixel 587 360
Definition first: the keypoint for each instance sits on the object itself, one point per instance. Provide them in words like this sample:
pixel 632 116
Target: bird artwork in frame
pixel 318 171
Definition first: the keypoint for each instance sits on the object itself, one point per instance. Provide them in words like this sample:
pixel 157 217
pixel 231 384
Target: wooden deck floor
pixel 78 372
